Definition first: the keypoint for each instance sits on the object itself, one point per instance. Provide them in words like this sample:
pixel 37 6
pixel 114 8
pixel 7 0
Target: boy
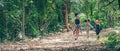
pixel 77 23
pixel 98 28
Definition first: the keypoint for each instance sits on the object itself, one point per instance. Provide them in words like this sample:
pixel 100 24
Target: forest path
pixel 60 42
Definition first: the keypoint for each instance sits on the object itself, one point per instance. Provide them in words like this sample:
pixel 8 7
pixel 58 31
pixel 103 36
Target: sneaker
pixel 98 37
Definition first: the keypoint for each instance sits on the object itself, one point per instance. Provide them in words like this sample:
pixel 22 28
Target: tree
pixel 38 18
pixel 23 17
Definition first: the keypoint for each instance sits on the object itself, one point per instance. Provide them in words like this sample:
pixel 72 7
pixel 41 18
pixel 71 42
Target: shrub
pixel 113 41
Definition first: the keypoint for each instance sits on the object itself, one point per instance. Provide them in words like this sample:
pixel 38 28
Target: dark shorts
pixel 77 26
pixel 97 32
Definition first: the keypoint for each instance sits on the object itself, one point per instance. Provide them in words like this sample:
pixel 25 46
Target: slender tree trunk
pixel 107 17
pixel 6 26
pixel 45 13
pixel 23 18
pixel 66 18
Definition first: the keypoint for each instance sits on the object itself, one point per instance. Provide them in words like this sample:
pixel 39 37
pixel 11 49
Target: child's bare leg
pixel 87 31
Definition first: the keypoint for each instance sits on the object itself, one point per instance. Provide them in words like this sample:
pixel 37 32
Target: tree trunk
pixel 23 18
pixel 107 18
pixel 6 26
pixel 66 18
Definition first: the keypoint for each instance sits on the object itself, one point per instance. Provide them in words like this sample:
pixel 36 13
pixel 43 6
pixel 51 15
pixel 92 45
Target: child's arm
pixel 94 27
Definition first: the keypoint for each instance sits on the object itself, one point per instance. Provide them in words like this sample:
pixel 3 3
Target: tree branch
pixel 107 4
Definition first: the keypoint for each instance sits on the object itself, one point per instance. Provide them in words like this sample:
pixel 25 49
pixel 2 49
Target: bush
pixel 113 41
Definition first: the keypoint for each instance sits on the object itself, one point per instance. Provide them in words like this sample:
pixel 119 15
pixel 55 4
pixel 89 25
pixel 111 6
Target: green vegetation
pixel 113 41
pixel 37 18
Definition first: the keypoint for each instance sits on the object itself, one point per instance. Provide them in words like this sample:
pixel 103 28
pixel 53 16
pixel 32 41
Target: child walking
pixel 76 24
pixel 88 27
pixel 98 28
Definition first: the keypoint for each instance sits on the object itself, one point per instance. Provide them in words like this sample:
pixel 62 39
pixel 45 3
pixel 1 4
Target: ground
pixel 59 42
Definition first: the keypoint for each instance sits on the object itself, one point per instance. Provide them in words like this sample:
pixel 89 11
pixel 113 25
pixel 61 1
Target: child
pixel 98 28
pixel 77 23
pixel 88 26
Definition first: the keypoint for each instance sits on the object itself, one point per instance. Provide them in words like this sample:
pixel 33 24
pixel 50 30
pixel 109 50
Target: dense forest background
pixel 38 18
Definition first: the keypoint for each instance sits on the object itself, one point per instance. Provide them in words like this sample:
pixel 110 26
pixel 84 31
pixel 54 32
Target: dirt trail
pixel 62 42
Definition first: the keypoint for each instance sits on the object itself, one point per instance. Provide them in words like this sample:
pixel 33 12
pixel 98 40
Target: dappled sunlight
pixel 59 25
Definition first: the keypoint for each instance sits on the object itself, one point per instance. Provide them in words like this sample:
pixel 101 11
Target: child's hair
pixel 96 21
pixel 76 14
pixel 87 20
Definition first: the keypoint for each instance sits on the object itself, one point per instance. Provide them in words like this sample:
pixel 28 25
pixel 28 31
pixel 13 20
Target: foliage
pixel 113 41
pixel 36 18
